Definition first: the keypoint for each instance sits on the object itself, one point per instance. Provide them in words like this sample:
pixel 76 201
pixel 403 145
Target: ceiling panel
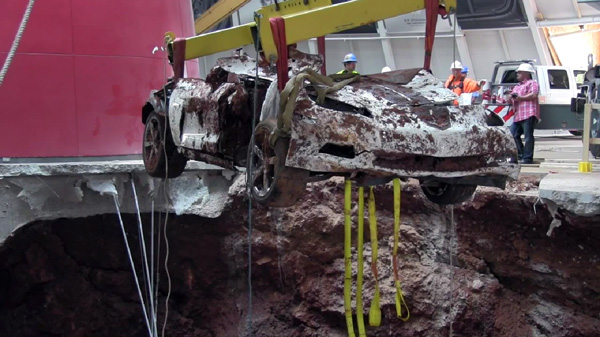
pixel 556 9
pixel 490 14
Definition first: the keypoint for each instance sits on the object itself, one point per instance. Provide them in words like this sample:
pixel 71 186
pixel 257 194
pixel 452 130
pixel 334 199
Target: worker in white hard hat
pixel 349 65
pixel 458 81
pixel 386 69
pixel 524 98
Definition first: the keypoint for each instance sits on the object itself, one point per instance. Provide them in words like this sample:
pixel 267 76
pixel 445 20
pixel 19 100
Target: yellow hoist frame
pixel 299 17
pixel 402 310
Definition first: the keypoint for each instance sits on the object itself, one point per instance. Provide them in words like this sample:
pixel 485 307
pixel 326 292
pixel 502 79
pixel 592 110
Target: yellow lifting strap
pixel 359 277
pixel 348 257
pixel 374 311
pixel 400 302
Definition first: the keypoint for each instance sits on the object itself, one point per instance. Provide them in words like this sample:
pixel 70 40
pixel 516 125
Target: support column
pixel 540 44
pixel 464 55
pixel 386 45
pixel 504 45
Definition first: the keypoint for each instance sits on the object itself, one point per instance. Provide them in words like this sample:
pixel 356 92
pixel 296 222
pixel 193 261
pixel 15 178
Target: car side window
pixel 558 79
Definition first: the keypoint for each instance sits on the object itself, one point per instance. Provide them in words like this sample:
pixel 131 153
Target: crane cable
pixel 249 173
pixel 16 41
pixel 137 282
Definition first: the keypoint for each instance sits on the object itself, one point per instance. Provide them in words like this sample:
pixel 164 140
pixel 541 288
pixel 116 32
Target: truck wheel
pixel 272 183
pixel 153 152
pixel 448 194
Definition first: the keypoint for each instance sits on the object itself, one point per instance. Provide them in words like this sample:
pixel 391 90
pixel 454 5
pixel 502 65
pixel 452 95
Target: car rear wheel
pixel 448 194
pixel 272 183
pixel 156 159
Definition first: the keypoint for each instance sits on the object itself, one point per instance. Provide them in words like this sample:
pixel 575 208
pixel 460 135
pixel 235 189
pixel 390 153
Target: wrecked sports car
pixel 368 128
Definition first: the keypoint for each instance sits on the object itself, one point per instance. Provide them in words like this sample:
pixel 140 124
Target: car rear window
pixel 558 78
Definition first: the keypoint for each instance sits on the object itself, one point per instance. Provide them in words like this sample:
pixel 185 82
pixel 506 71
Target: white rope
pixel 451 249
pixel 153 286
pixel 137 282
pixel 167 204
pixel 15 45
pixel 166 262
pixel 157 267
pixel 144 255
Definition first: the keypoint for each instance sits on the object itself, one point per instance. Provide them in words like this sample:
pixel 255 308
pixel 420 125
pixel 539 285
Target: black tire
pixel 272 183
pixel 153 152
pixel 448 194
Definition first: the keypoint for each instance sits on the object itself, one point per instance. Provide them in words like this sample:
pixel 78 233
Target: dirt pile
pixel 71 277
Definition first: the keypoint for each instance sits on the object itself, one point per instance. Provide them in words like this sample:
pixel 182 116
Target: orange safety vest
pixel 463 85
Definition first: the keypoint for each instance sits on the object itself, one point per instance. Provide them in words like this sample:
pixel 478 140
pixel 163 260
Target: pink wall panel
pixel 38 114
pixel 124 28
pixel 82 73
pixel 48 30
pixel 109 110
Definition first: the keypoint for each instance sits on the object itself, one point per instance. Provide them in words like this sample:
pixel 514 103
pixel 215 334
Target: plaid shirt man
pixel 529 108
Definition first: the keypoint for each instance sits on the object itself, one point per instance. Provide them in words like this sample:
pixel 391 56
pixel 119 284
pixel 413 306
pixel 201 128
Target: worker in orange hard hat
pixel 458 81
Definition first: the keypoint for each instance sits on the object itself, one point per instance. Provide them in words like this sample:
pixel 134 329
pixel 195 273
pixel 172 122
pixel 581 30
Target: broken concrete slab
pixel 578 193
pixel 30 192
pixel 96 167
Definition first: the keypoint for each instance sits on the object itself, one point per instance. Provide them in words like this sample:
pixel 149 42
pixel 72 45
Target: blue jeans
pixel 524 128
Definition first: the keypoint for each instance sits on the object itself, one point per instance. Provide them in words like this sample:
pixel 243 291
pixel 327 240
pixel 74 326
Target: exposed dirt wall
pixel 71 277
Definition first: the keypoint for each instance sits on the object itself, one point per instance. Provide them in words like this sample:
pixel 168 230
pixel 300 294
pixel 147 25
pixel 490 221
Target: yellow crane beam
pixel 302 22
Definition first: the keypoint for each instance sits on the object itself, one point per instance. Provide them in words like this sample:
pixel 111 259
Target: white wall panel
pixel 486 48
pixel 520 44
pixel 414 23
pixel 410 53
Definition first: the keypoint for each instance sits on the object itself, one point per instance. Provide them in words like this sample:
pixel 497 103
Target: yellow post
pixel 348 257
pixel 585 165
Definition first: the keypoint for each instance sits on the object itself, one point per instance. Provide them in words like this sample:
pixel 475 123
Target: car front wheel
pixel 448 194
pixel 271 182
pixel 160 155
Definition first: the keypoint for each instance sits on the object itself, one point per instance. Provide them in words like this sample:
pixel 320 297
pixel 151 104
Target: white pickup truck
pixel 557 86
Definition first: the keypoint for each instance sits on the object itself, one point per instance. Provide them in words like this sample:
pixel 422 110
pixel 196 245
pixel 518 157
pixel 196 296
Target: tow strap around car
pixel 348 257
pixel 374 310
pixel 288 96
pixel 359 277
pixel 400 302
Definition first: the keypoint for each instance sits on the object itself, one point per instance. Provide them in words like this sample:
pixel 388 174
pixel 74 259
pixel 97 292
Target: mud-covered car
pixel 370 129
